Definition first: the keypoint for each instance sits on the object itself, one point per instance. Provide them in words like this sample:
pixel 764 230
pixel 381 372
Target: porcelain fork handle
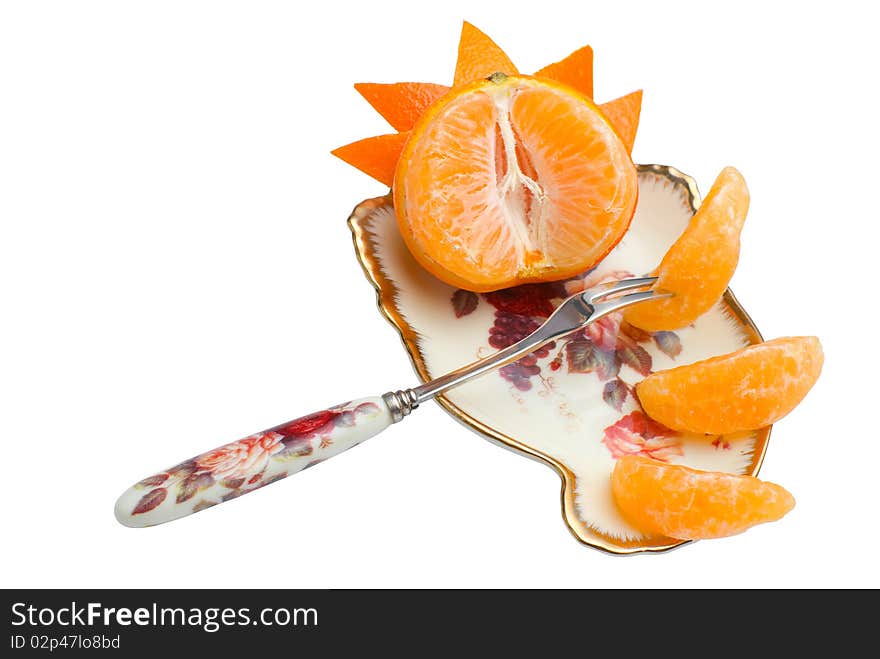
pixel 241 467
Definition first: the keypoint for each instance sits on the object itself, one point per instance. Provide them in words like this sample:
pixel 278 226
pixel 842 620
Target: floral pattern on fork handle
pixel 248 464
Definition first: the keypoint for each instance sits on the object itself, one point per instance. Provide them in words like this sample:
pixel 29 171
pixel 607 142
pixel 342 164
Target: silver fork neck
pixel 401 403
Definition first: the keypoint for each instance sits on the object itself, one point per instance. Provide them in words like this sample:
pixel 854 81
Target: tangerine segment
pixel 744 390
pixel 512 180
pixel 686 504
pixel 576 71
pixel 699 265
pixel 479 57
pixel 401 103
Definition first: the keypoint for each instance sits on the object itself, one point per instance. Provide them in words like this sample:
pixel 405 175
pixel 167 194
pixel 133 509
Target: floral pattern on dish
pixel 600 349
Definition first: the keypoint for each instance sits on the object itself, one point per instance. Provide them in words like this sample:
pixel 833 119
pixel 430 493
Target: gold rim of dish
pixel 386 294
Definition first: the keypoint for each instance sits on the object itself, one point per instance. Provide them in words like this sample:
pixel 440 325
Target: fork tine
pixel 616 304
pixel 620 286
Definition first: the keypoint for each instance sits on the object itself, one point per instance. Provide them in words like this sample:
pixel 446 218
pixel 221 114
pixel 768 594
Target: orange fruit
pixel 510 180
pixel 479 57
pixel 683 503
pixel 402 103
pixel 744 390
pixel 699 265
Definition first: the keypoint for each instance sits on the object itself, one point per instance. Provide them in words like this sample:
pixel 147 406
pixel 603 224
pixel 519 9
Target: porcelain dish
pixel 571 406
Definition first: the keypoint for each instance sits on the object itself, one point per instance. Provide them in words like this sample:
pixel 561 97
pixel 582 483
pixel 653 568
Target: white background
pixel 177 272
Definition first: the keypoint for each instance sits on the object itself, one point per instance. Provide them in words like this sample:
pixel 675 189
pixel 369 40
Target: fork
pixel 243 466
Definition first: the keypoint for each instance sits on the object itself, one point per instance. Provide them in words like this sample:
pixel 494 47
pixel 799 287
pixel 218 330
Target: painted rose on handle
pixel 245 465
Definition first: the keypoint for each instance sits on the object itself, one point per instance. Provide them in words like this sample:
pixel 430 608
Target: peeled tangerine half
pixel 699 265
pixel 511 180
pixel 683 503
pixel 744 390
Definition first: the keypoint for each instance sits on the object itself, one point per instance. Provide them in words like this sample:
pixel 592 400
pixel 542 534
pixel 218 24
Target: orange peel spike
pixel 623 113
pixel 401 103
pixel 376 156
pixel 479 57
pixel 576 71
